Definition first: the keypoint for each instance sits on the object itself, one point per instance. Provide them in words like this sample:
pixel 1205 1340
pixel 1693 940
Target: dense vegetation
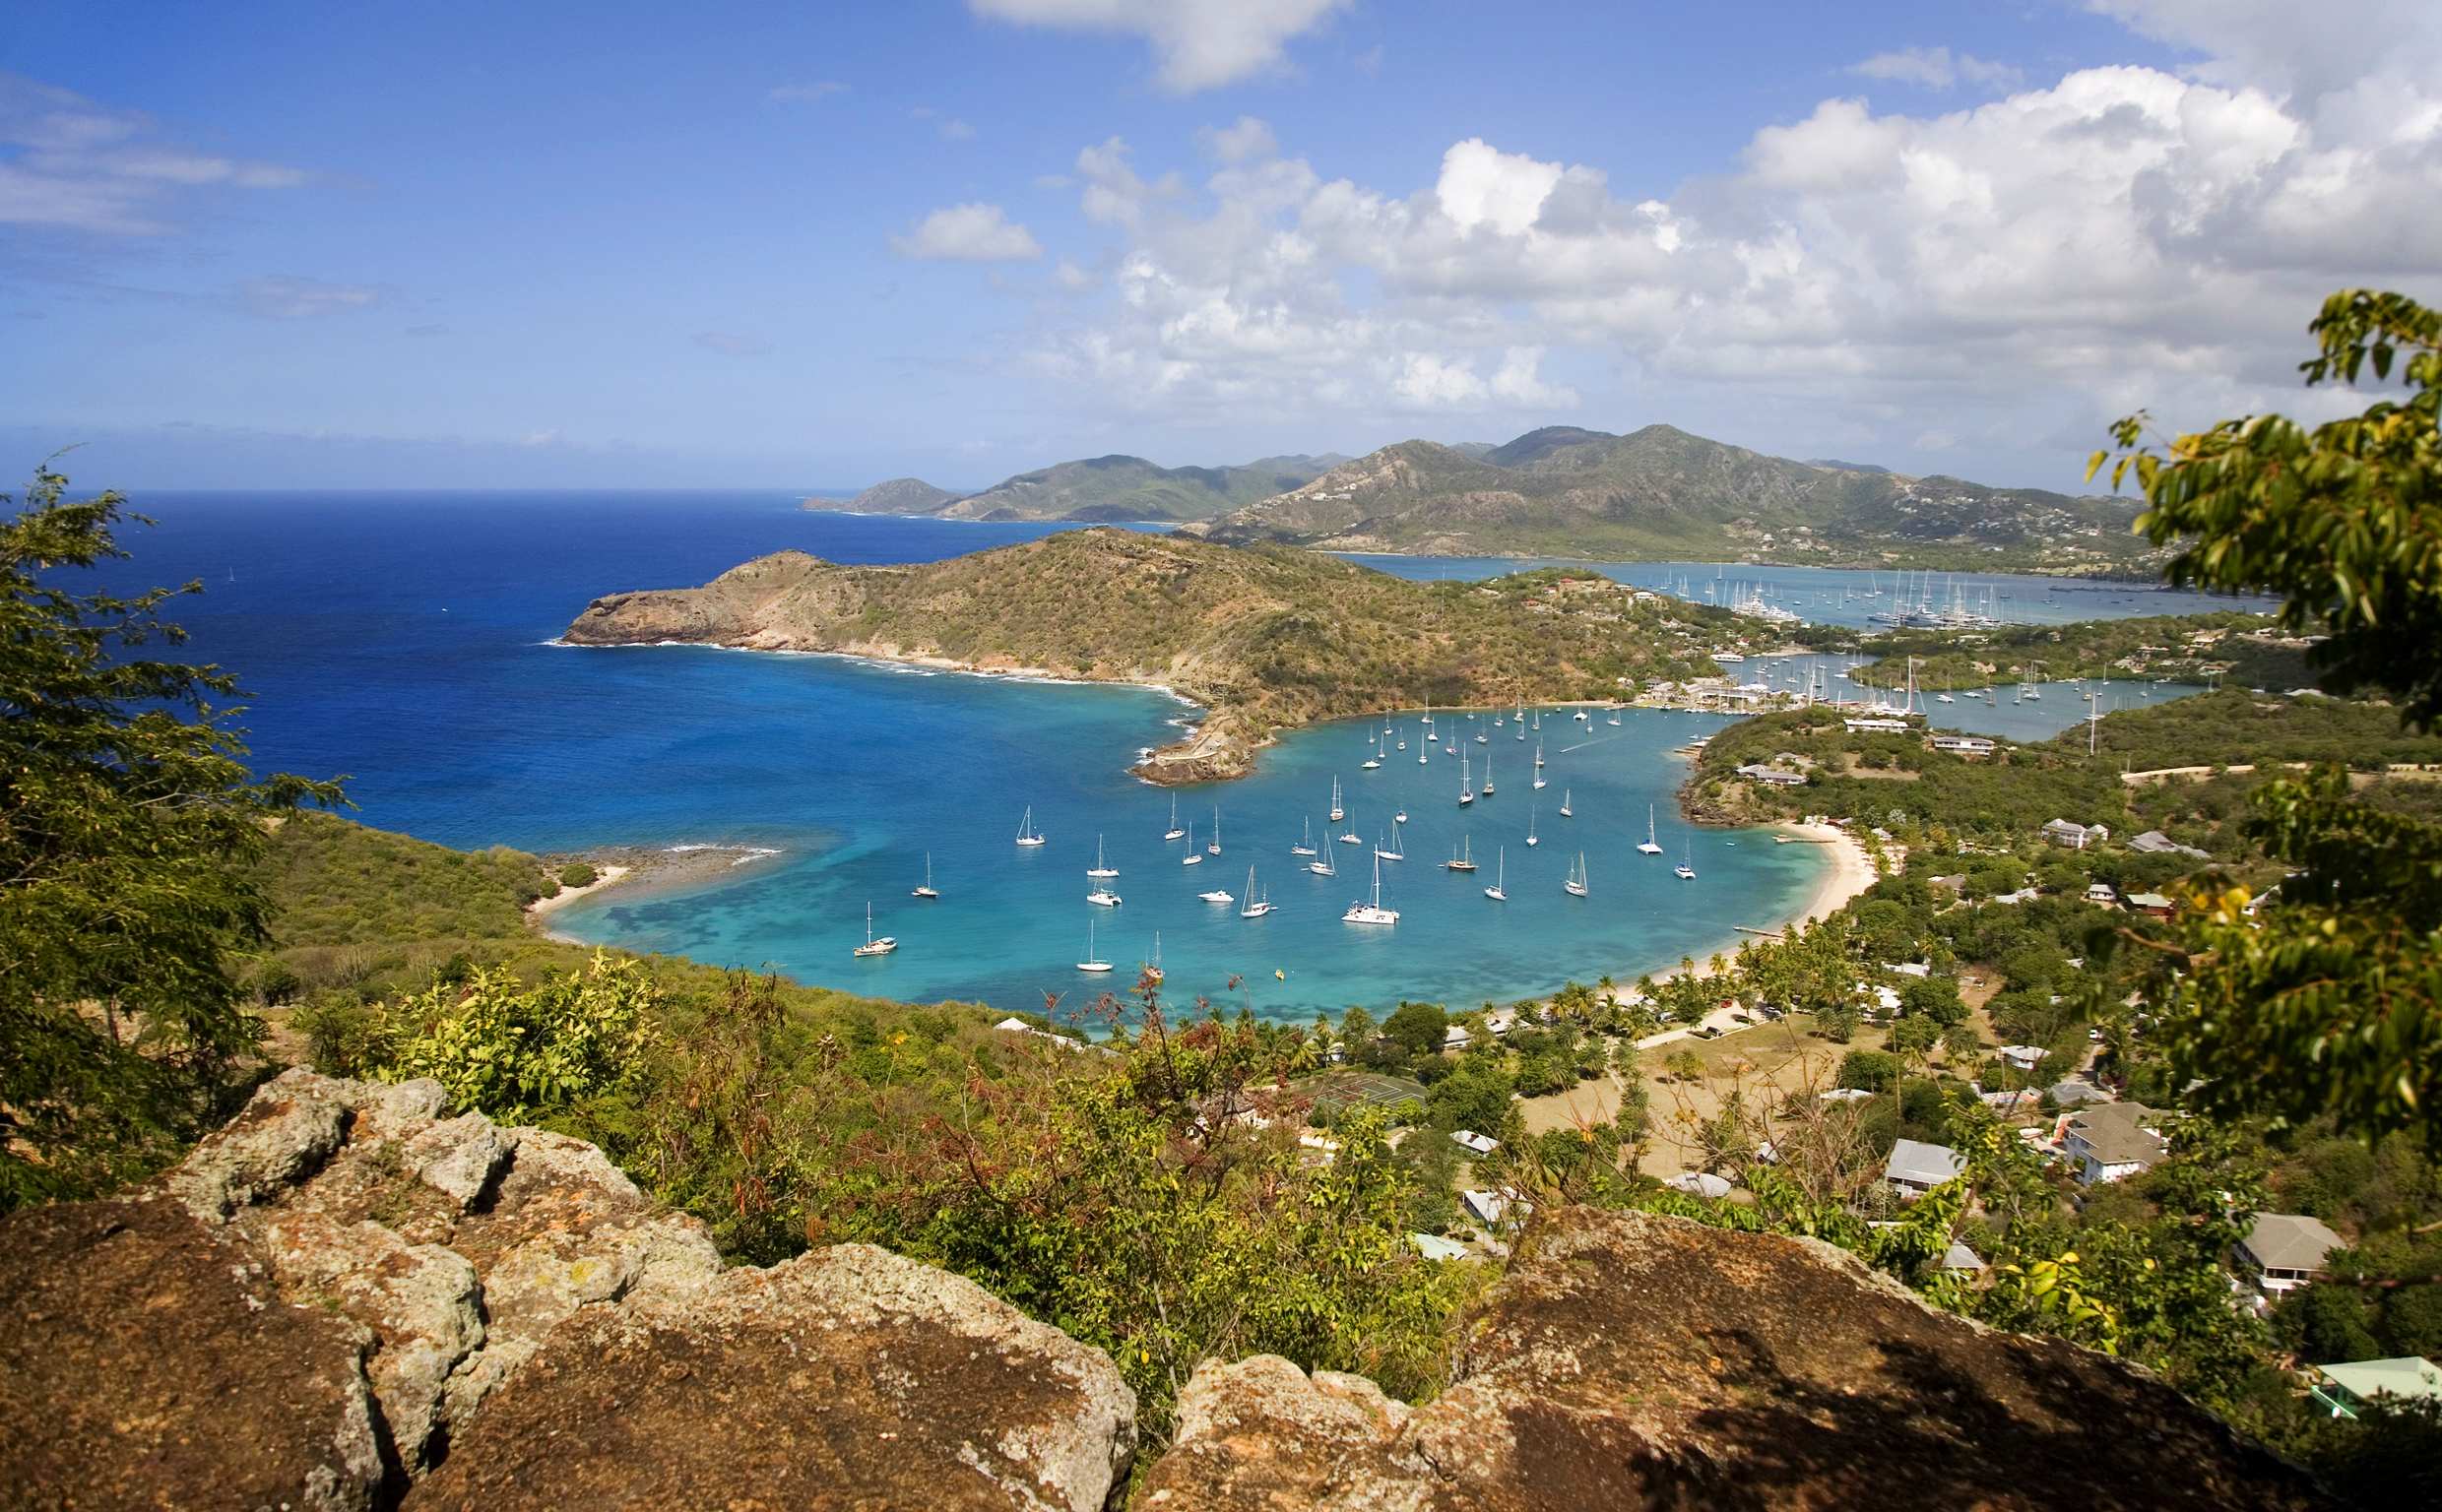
pixel 1268 638
pixel 1661 493
pixel 1126 488
pixel 2238 649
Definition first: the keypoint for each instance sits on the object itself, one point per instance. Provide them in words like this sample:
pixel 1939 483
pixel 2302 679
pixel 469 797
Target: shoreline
pixel 641 872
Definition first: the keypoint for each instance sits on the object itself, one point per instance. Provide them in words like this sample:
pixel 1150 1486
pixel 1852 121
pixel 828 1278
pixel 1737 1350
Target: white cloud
pixel 1936 68
pixel 805 93
pixel 1072 276
pixel 951 127
pixel 293 298
pixel 2004 276
pixel 970 233
pixel 1241 142
pixel 731 343
pixel 1198 44
pixel 73 164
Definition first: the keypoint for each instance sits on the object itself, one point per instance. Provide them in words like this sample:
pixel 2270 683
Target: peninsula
pixel 1266 638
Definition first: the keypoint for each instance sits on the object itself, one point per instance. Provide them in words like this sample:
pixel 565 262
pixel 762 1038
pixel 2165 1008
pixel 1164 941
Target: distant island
pixel 1265 638
pixel 1654 494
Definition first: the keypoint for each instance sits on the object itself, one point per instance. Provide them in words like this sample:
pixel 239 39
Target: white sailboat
pixel 1392 852
pixel 1371 912
pixel 1026 834
pixel 926 891
pixel 1685 871
pixel 1194 857
pixel 1462 860
pixel 1092 962
pixel 1531 828
pixel 1466 789
pixel 1351 838
pixel 1575 886
pixel 1488 774
pixel 1565 811
pixel 1173 832
pixel 1102 896
pixel 872 946
pixel 1213 847
pixel 1337 813
pixel 1498 892
pixel 1538 753
pixel 1101 868
pixel 1305 846
pixel 1652 846
pixel 1153 968
pixel 1321 865
pixel 1614 716
pixel 1255 907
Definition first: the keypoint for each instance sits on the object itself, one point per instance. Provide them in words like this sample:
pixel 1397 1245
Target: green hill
pixel 1121 487
pixel 898 496
pixel 1268 638
pixel 1661 492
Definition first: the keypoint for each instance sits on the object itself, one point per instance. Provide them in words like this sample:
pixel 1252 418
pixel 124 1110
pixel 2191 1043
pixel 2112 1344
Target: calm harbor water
pixel 403 640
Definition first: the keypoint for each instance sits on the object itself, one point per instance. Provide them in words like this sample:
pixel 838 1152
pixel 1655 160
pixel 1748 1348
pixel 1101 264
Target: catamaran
pixel 1102 896
pixel 1305 846
pixel 1213 846
pixel 1565 811
pixel 1092 962
pixel 1255 908
pixel 926 891
pixel 1531 828
pixel 1371 912
pixel 1686 870
pixel 1337 813
pixel 1575 886
pixel 872 946
pixel 1501 878
pixel 1026 834
pixel 1652 846
pixel 1394 850
pixel 1101 868
pixel 1462 860
pixel 1173 832
pixel 1194 857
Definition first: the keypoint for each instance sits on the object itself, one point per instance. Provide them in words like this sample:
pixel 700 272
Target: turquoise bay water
pixel 403 640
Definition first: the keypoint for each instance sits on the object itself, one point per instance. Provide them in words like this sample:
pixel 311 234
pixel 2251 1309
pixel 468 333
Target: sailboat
pixel 1321 865
pixel 1686 870
pixel 1467 789
pixel 872 946
pixel 1092 962
pixel 1463 862
pixel 926 891
pixel 1652 846
pixel 1400 817
pixel 1305 846
pixel 1403 742
pixel 1255 907
pixel 1501 878
pixel 1213 847
pixel 1173 832
pixel 1350 837
pixel 1371 912
pixel 1372 752
pixel 1102 896
pixel 1153 968
pixel 1614 716
pixel 1577 886
pixel 1101 868
pixel 1538 753
pixel 1026 834
pixel 1531 828
pixel 1394 850
pixel 1488 774
pixel 1337 813
pixel 1565 811
pixel 1194 857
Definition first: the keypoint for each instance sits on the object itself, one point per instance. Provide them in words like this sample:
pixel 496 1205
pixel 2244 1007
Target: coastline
pixel 641 870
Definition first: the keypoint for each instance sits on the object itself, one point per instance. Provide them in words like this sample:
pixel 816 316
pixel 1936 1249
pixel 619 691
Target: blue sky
pixel 442 245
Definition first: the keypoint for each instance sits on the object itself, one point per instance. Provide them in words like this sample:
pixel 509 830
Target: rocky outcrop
pixel 1632 1360
pixel 343 1294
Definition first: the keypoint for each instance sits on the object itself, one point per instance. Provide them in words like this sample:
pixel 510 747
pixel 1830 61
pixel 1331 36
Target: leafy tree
pixel 1869 1070
pixel 2331 1001
pixel 577 874
pixel 129 826
pixel 516 1051
pixel 1417 1027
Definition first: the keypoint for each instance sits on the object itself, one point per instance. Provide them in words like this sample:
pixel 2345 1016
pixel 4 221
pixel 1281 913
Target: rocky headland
pixel 349 1299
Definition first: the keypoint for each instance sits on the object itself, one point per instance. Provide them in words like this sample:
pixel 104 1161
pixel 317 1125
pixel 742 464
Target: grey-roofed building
pixel 2156 842
pixel 2283 1251
pixel 2113 1141
pixel 1916 1167
pixel 2077 837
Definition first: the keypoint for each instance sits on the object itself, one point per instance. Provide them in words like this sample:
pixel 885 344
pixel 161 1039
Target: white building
pixel 2077 837
pixel 2283 1251
pixel 2111 1142
pixel 1916 1167
pixel 1478 1143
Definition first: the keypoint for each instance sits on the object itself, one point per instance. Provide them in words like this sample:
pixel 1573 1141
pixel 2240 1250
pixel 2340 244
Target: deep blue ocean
pixel 404 641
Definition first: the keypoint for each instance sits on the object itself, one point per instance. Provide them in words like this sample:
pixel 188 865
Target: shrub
pixel 577 874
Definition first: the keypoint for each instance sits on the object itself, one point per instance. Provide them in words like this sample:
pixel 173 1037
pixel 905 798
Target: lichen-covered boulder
pixel 1630 1360
pixel 846 1377
pixel 148 1360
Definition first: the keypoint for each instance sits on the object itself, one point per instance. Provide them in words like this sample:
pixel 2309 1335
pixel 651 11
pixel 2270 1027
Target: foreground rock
pixel 1633 1362
pixel 320 1306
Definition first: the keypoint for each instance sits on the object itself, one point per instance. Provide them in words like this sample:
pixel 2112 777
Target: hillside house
pixel 1916 1167
pixel 2077 837
pixel 2156 842
pixel 1772 776
pixel 2343 1389
pixel 2112 1142
pixel 1478 1144
pixel 2283 1251
pixel 2153 905
pixel 1964 745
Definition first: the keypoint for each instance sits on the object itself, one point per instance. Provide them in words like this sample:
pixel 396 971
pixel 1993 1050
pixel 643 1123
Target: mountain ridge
pixel 1115 486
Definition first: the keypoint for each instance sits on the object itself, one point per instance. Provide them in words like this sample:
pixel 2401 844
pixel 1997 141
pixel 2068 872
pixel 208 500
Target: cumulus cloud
pixel 1936 68
pixel 1242 141
pixel 970 233
pixel 293 298
pixel 69 164
pixel 2004 276
pixel 1196 43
